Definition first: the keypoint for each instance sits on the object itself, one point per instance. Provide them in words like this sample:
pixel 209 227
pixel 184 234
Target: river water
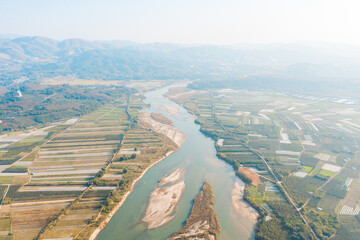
pixel 197 156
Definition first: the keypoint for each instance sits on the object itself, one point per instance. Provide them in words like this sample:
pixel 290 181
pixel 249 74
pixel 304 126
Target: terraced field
pixel 304 151
pixel 61 170
pixel 63 181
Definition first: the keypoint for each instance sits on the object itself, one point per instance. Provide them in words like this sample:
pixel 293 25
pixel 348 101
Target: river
pixel 197 156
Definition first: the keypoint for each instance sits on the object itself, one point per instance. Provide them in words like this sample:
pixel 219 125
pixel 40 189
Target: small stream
pixel 197 156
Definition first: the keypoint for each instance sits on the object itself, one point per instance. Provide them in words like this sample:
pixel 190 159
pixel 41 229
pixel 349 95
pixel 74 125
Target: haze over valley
pixel 154 120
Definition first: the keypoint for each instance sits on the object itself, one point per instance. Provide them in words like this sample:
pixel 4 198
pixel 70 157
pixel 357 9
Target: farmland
pixel 65 180
pixel 298 157
pixel 303 150
pixel 33 105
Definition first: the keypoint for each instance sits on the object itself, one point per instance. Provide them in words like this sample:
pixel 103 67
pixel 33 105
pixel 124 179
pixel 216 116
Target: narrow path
pixel 8 186
pixel 332 177
pixel 41 202
pixel 37 147
pixel 105 114
pixel 342 168
pixel 109 164
pixel 303 147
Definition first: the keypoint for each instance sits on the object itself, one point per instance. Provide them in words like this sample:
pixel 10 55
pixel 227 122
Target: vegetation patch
pixel 326 173
pixel 203 221
pixel 246 173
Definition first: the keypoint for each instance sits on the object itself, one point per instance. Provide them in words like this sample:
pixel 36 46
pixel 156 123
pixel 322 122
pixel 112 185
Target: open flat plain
pixel 304 151
pixel 64 181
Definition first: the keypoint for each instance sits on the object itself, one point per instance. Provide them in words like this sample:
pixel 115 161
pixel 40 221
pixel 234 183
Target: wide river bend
pixel 198 157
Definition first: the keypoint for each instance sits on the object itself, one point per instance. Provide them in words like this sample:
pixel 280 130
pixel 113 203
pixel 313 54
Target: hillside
pixel 34 105
pixel 35 58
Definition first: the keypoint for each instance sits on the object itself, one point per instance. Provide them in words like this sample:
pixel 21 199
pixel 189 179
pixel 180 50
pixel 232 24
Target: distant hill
pixel 38 57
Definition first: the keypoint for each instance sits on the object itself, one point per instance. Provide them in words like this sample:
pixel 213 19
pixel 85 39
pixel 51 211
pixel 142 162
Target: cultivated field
pixel 65 180
pixel 305 148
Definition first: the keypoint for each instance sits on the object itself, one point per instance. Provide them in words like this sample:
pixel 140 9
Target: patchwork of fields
pixel 303 150
pixel 63 181
pixel 61 170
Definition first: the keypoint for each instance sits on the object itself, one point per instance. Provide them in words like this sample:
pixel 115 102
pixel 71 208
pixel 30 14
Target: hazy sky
pixel 185 21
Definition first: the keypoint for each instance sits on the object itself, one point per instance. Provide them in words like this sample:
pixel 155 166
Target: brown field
pixel 255 180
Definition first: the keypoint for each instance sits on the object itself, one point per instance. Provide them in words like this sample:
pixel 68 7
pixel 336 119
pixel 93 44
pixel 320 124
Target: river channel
pixel 197 156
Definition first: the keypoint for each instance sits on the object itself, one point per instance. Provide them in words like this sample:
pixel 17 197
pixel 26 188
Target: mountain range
pixel 33 58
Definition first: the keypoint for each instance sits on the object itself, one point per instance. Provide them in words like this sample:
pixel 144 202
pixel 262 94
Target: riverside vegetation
pixel 203 222
pixel 298 156
pixel 66 180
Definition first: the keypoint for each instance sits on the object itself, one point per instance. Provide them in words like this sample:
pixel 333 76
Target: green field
pixel 326 173
pixel 290 133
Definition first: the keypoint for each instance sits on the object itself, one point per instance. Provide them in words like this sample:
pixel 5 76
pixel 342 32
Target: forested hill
pixel 33 105
pixel 33 58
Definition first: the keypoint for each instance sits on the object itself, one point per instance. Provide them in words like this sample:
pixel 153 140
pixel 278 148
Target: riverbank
pixel 203 222
pixel 240 206
pixel 123 199
pixel 163 200
pixel 168 109
pixel 197 157
pixel 168 130
pixel 162 204
pixel 171 178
